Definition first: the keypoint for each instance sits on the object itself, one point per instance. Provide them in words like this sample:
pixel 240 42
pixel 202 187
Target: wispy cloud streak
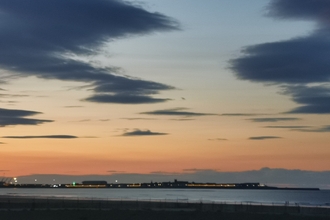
pixel 42 136
pixel 176 112
pixel 263 137
pixel 272 119
pixel 138 132
pixel 322 129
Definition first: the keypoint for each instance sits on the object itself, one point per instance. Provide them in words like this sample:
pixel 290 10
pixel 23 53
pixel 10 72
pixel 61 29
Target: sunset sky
pixel 163 86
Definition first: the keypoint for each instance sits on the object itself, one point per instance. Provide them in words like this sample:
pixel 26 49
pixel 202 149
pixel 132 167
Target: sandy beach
pixel 57 208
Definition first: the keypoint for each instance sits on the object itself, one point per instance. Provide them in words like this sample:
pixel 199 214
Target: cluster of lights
pixel 212 185
pixel 134 185
pixel 15 180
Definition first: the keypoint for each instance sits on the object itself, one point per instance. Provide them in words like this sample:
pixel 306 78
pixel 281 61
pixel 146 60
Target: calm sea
pixel 294 197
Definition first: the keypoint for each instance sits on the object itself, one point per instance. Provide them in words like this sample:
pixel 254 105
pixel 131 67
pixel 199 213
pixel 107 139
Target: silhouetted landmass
pixel 175 184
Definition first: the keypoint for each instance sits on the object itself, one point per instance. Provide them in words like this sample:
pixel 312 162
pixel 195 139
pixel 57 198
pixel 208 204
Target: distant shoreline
pixel 154 185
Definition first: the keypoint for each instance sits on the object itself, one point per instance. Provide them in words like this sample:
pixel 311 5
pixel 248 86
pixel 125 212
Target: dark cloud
pixel 299 60
pixel 263 137
pixel 272 119
pixel 322 129
pixel 138 132
pixel 288 127
pixel 42 136
pixel 16 113
pixel 238 114
pixel 40 38
pixel 17 117
pixel 124 99
pixel 176 112
pixel 325 128
pixel 296 62
pixel 315 99
pixel 300 9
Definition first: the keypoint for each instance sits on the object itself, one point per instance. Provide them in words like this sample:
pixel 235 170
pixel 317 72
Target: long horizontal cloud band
pixel 124 99
pixel 16 113
pixel 264 137
pixel 294 63
pixel 40 35
pixel 9 117
pixel 43 136
pixel 176 112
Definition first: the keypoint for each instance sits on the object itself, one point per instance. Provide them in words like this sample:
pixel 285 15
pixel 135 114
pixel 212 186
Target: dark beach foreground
pixel 54 208
pixel 144 215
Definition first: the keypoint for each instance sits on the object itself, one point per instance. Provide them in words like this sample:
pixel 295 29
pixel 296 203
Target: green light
pixel 74 183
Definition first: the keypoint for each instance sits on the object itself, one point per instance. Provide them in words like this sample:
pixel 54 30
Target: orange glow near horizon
pixel 147 161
